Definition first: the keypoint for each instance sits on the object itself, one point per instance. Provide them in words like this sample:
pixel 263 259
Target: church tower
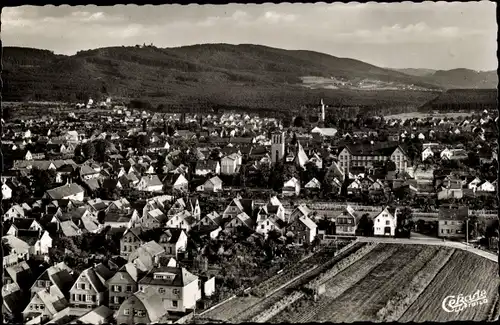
pixel 322 113
pixel 277 146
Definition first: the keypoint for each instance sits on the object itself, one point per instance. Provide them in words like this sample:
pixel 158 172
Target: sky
pixel 428 35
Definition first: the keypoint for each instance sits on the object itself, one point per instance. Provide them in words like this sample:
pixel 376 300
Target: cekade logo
pixel 458 303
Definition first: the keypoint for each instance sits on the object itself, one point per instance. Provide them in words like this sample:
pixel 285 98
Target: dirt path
pixel 464 274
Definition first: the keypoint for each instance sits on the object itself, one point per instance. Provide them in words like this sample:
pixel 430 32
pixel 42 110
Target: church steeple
pixel 322 113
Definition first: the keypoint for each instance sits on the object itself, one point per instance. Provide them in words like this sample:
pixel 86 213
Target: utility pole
pixel 467 231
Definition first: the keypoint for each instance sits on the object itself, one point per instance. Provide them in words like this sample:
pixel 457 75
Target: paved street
pixel 424 240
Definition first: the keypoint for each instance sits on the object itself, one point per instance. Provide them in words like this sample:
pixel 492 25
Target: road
pixel 425 240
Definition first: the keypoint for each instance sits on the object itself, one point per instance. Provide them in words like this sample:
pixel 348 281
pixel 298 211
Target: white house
pixel 485 186
pixel 267 224
pixel 213 184
pixel 42 245
pixel 426 153
pixel 313 184
pixel 384 224
pixel 240 220
pixel 291 187
pixel 151 183
pixel 474 183
pixel 6 192
pixel 15 211
pixel 230 164
pixel 70 191
pixel 446 154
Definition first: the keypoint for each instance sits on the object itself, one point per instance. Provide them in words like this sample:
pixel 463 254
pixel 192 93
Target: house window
pixel 47 284
pixel 161 290
pixel 140 313
pixel 82 286
pixel 175 291
pixel 73 297
pixel 174 303
pixel 126 312
pixel 442 231
pixel 129 289
pixel 446 222
pixel 42 307
pixel 262 227
pixel 387 222
pixel 89 298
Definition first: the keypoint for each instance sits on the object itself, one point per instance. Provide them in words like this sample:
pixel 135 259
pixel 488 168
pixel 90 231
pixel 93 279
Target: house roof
pixel 64 191
pixel 23 223
pixel 377 149
pixel 69 228
pixel 453 213
pixel 179 277
pixel 308 222
pixel 152 302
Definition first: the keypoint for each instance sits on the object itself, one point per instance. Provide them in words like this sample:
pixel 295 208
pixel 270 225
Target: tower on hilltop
pixel 277 146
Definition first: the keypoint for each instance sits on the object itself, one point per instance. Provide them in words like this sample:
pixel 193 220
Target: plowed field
pixel 367 286
pixel 464 274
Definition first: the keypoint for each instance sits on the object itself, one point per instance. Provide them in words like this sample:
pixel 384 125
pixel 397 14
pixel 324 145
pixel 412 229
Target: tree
pixel 88 150
pixel 404 222
pixel 299 121
pixel 365 225
pixel 42 180
pixel 390 166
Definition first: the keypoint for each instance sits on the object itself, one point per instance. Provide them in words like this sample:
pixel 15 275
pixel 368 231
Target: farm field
pixel 359 292
pixel 406 116
pixel 242 309
pixel 465 273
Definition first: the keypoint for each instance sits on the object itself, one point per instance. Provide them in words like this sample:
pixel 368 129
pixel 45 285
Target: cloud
pixel 275 18
pixel 411 33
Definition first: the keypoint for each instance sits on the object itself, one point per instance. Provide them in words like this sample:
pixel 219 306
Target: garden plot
pixel 465 273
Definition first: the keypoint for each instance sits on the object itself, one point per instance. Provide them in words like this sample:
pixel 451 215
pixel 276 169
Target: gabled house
pixel 59 275
pixel 384 224
pixel 45 304
pixel 291 187
pixel 6 191
pixel 146 256
pixel 90 290
pixel 486 186
pixel 302 230
pixel 300 211
pixel 122 285
pixel 313 184
pixel 183 219
pixel 236 207
pixel 346 222
pixel 230 164
pixel 213 219
pixel 142 307
pixel 176 183
pixel 204 167
pixel 40 241
pixel 268 223
pixel 151 183
pixel 70 191
pixel 23 224
pixel 240 220
pixel 451 222
pixel 212 185
pixel 177 287
pixel 15 211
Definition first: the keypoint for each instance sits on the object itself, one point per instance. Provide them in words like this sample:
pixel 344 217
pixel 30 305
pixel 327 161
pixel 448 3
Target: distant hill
pixel 456 78
pixel 211 74
pixel 416 72
pixel 455 100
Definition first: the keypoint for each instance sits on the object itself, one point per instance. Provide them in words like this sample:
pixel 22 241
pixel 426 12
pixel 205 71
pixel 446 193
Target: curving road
pixel 419 239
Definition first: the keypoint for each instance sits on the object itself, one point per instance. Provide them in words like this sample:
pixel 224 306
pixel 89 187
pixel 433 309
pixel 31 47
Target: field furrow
pixel 231 308
pixel 464 274
pixel 409 292
pixel 303 311
pixel 361 302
